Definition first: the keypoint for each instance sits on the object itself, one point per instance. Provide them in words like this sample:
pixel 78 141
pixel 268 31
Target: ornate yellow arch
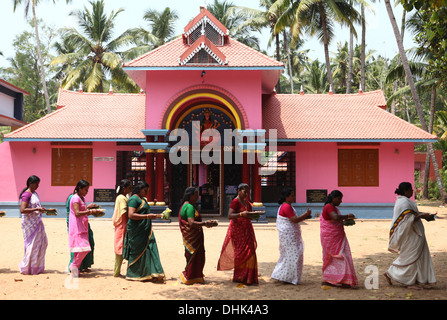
pixel 234 114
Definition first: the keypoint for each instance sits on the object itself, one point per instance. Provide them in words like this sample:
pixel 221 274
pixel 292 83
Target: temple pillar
pixel 150 173
pixel 160 175
pixel 256 184
pixel 155 148
pixel 245 170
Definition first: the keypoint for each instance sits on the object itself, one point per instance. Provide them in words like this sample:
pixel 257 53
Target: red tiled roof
pixel 89 116
pixel 238 54
pixel 336 117
pixel 298 117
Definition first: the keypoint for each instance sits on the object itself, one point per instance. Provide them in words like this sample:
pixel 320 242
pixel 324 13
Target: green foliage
pixel 24 71
pixel 432 35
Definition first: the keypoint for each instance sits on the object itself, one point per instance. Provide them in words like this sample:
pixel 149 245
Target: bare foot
pixel 415 287
pixel 388 279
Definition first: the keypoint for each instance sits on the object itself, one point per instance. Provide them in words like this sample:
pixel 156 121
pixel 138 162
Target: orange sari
pixel 239 247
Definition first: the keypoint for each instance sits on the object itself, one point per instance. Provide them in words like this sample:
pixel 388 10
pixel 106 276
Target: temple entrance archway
pixel 215 180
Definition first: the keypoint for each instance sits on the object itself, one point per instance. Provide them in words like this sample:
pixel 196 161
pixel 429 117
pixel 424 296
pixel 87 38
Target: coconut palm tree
pixel 33 4
pixel 232 18
pixel 96 56
pixel 415 95
pixel 315 77
pixel 161 30
pixel 316 17
pixel 258 19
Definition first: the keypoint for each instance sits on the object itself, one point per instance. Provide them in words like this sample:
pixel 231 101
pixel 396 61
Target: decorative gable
pixel 203 51
pixel 205 24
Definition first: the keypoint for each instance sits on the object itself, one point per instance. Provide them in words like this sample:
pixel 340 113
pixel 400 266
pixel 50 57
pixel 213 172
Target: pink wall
pixel 317 166
pixel 8 189
pixel 18 162
pixel 245 86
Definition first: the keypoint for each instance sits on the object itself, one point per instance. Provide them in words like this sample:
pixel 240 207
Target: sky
pixel 379 35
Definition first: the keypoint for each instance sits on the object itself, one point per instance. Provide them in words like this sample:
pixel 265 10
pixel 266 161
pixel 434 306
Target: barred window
pixel 130 165
pixel 278 171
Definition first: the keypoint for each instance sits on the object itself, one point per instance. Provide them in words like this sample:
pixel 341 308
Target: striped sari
pixel 35 238
pixel 193 242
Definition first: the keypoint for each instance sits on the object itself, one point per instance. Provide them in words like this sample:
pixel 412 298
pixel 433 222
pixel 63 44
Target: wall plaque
pixel 104 195
pixel 316 195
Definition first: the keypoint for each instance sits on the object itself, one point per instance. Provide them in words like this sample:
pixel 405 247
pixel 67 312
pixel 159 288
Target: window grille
pixel 202 57
pixel 279 172
pixel 130 165
pixel 210 32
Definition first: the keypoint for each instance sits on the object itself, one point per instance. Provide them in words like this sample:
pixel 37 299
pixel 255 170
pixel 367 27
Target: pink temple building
pixel 205 79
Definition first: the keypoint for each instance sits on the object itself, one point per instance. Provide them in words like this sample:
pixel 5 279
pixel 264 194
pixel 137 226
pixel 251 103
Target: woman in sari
pixel 338 267
pixel 119 221
pixel 291 247
pixel 34 235
pixel 78 227
pixel 140 248
pixel 88 260
pixel 239 247
pixel 413 267
pixel 191 224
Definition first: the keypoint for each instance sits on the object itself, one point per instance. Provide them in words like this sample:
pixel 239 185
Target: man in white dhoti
pixel 413 267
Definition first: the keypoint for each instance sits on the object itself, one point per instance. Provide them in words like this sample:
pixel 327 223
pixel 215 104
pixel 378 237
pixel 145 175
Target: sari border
pixel 191 281
pixel 399 220
pixel 152 276
pixel 141 206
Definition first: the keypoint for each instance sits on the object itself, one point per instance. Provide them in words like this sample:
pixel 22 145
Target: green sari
pixel 88 260
pixel 140 248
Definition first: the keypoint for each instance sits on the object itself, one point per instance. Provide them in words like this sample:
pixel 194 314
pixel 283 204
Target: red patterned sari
pixel 239 247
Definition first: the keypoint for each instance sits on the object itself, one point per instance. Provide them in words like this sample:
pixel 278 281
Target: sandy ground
pixel 368 240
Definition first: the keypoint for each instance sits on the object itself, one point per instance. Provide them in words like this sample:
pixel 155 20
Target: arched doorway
pixel 216 179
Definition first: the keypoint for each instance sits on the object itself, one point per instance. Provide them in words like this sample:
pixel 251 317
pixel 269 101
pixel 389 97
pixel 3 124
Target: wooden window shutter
pixel 69 165
pixel 358 167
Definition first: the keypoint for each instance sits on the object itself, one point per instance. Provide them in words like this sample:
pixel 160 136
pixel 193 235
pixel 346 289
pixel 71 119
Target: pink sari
pixel 338 267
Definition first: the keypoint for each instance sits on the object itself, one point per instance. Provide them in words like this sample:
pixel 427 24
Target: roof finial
pixel 330 89
pixel 110 89
pixel 80 88
pixel 360 88
pixel 301 90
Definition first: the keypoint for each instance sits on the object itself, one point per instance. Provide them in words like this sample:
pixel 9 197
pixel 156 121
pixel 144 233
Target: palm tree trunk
pixel 415 96
pixel 362 54
pixel 351 57
pixel 427 158
pixel 278 58
pixel 326 45
pixel 289 60
pixel 39 53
